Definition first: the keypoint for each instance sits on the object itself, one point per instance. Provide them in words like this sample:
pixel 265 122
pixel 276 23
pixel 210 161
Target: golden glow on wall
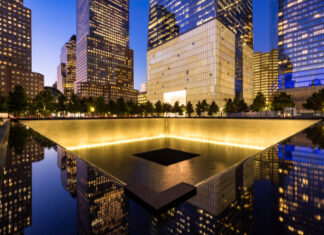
pixel 249 133
pixel 160 137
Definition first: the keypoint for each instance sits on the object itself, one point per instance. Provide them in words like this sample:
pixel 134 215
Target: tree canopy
pixel 17 101
pixel 259 103
pixel 282 101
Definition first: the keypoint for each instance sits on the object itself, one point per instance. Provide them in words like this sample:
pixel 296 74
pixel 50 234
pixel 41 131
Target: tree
pixel 100 105
pixel 112 107
pixel 3 103
pixel 133 108
pixel 17 101
pixel 45 102
pixel 142 109
pixel 189 108
pixel 32 108
pixel 149 109
pixel 239 105
pixel 167 108
pixel 74 104
pixel 61 105
pixel 159 108
pixel 86 105
pixel 213 109
pixel 282 101
pixel 315 102
pixel 259 103
pixel 198 108
pixel 204 106
pixel 229 107
pixel 121 107
pixel 177 108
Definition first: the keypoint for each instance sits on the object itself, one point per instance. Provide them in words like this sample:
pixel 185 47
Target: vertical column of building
pixel 237 15
pixel 15 49
pixel 265 69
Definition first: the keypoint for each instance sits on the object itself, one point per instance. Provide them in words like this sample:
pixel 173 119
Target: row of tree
pixel 44 104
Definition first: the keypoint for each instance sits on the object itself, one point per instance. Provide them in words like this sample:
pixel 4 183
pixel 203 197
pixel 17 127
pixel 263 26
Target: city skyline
pixel 62 28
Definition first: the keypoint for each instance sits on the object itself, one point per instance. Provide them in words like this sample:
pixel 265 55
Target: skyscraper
pixel 104 61
pixel 265 72
pixel 66 68
pixel 200 50
pixel 15 49
pixel 301 47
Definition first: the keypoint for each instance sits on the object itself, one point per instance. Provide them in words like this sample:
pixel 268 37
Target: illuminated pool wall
pixel 257 133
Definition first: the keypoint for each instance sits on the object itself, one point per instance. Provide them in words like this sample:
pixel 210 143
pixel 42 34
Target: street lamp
pixel 92 110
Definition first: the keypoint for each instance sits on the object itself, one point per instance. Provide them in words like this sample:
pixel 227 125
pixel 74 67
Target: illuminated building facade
pixel 15 49
pixel 102 205
pixel 301 49
pixel 265 72
pixel 142 98
pixel 104 61
pixel 200 50
pixel 67 165
pixel 16 184
pixel 66 69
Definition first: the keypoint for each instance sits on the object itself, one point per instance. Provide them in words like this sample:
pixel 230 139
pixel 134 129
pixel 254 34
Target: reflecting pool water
pixel 46 190
pixel 119 161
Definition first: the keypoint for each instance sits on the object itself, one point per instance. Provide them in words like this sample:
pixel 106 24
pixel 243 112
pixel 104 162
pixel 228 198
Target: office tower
pixel 66 69
pixel 265 72
pixel 200 50
pixel 104 61
pixel 301 48
pixel 15 49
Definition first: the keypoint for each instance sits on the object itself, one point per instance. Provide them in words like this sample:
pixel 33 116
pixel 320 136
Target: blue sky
pixel 54 22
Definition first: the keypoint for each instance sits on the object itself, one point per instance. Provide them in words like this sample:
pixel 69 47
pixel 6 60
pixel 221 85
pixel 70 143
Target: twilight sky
pixel 54 22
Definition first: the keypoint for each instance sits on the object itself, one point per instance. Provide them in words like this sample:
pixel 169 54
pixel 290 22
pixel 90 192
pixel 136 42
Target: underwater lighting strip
pixel 217 142
pixel 160 137
pixel 114 143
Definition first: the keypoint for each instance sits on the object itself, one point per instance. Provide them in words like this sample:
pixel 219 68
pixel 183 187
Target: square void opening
pixel 166 156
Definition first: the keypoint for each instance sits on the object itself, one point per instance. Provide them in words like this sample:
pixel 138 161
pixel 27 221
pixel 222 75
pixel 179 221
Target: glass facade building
pixel 301 43
pixel 104 64
pixel 66 69
pixel 265 73
pixel 15 49
pixel 171 20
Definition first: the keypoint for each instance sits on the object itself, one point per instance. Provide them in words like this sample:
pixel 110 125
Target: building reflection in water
pixel 102 207
pixel 279 191
pixel 16 180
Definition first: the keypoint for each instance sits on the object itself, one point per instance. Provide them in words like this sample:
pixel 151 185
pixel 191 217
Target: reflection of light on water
pixel 172 137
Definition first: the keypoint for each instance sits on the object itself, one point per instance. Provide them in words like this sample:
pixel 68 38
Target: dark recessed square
pixel 166 156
